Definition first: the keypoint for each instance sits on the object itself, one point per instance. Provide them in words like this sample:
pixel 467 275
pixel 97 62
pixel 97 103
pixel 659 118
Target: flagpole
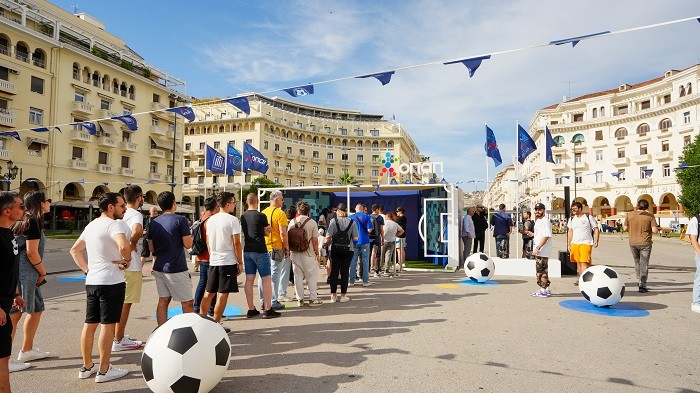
pixel 488 207
pixel 544 166
pixel 517 188
pixel 243 176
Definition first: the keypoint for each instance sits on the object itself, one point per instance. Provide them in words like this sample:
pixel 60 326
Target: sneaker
pixel 125 344
pixel 284 299
pixel 576 282
pixel 32 354
pixel 548 291
pixel 643 290
pixel 540 293
pixel 252 313
pixel 271 313
pixel 695 308
pixel 227 330
pixel 344 299
pixel 18 366
pixel 315 303
pixel 366 284
pixel 375 275
pixel 85 373
pixel 385 274
pixel 111 374
pixel 278 306
pixel 334 298
pixel 300 302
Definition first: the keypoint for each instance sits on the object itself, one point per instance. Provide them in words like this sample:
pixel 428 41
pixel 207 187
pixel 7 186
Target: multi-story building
pixel 305 145
pixel 58 68
pixel 615 147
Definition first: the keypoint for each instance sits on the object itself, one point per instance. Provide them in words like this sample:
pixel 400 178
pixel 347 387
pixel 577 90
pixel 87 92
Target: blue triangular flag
pixel 240 103
pixel 40 129
pixel 384 77
pixel 575 40
pixel 472 64
pixel 13 134
pixel 129 121
pixel 184 111
pixel 648 172
pixel 393 181
pixel 300 91
pixel 525 144
pixel 215 161
pixel 549 143
pixel 91 128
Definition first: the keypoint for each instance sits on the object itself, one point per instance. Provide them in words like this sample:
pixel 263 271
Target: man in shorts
pixel 225 255
pixel 145 250
pixel 541 234
pixel 108 255
pixel 582 236
pixel 11 210
pixel 132 275
pixel 168 237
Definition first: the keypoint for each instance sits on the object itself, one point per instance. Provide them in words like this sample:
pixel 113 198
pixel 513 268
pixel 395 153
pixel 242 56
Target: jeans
pixel 285 268
pixel 696 282
pixel 502 246
pixel 361 251
pixel 641 262
pixel 201 285
pixel 276 267
pixel 388 251
pixel 467 250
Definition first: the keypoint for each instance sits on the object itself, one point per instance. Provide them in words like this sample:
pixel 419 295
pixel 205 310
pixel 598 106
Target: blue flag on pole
pixel 240 103
pixel 13 134
pixel 233 160
pixel 384 77
pixel 548 145
pixel 128 120
pixel 300 91
pixel 215 161
pixel 253 160
pixel 184 111
pixel 525 144
pixel 491 147
pixel 472 64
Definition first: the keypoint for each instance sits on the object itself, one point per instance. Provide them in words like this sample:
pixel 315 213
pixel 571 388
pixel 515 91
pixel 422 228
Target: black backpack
pixel 375 226
pixel 199 245
pixel 298 241
pixel 341 238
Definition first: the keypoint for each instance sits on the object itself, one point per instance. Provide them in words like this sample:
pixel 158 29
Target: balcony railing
pixel 289 172
pixel 624 161
pixel 642 158
pixel 81 136
pixel 104 168
pixel 277 153
pixel 642 182
pixel 200 152
pixel 130 146
pixel 316 175
pixel 105 141
pixel 600 185
pixel 157 153
pixel 330 177
pixel 106 113
pixel 663 155
pixel 316 160
pixel 7 117
pixel 127 172
pixel 303 158
pixel 303 174
pixel 155 176
pixel 76 163
pixel 5 154
pixel 278 171
pixel 7 87
pixel 82 108
pixel 560 167
pixel 157 130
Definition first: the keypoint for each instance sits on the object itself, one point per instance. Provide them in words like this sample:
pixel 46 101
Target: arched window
pixel 4 44
pixel 329 142
pixel 122 89
pixel 115 86
pixel 359 144
pixel 76 71
pixel 221 129
pixel 105 82
pixel 689 90
pixel 643 129
pixel 681 91
pixel 595 112
pixel 39 58
pixel 602 111
pixel 96 79
pixel 559 140
pixel 390 145
pixel 665 124
pixel 132 92
pixel 344 143
pixel 578 138
pixel 315 139
pixel 621 133
pixel 375 144
pixel 22 52
pixel 86 75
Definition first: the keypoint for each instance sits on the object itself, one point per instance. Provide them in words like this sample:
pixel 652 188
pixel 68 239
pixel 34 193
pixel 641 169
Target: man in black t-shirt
pixel 11 210
pixel 528 227
pixel 256 259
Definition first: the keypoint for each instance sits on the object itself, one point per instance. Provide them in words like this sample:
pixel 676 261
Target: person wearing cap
pixel 541 238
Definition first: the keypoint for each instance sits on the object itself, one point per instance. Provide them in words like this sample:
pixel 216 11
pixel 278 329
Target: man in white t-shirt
pixel 225 255
pixel 132 275
pixel 582 236
pixel 108 255
pixel 692 232
pixel 305 263
pixel 541 239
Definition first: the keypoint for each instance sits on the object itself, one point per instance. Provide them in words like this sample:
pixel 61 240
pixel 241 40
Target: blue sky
pixel 223 48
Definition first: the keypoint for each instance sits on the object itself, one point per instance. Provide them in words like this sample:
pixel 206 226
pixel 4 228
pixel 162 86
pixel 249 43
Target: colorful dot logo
pixel 387 167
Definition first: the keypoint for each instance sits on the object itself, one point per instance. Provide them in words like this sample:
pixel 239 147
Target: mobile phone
pixel 41 283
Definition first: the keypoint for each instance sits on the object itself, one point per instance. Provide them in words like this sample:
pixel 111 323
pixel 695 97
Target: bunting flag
pixel 240 103
pixel 105 184
pixel 617 174
pixel 525 144
pixel 384 77
pixel 648 172
pixel 89 127
pixel 233 160
pixel 253 160
pixel 81 181
pixel 40 129
pixel 491 147
pixel 393 181
pixel 472 64
pixel 149 181
pixel 184 111
pixel 129 121
pixel 408 182
pixel 13 134
pixel 172 184
pixel 548 145
pixel 300 91
pixel 575 40
pixel 215 161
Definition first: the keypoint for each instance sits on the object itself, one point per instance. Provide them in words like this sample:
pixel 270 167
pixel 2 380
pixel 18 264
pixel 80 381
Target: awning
pixel 162 144
pixel 109 128
pixel 37 140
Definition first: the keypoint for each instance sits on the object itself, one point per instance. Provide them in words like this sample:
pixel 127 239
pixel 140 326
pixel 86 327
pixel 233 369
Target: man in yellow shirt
pixel 277 247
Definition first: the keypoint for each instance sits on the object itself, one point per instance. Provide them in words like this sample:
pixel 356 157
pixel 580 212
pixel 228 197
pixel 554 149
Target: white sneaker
pixel 344 299
pixel 366 284
pixel 695 307
pixel 125 344
pixel 315 303
pixel 32 354
pixel 334 298
pixel 85 373
pixel 18 366
pixel 111 374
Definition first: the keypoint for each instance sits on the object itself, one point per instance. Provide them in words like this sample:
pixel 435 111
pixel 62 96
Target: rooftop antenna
pixel 569 83
pixel 75 9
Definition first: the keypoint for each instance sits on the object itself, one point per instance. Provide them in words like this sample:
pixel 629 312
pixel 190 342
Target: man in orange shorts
pixel 583 235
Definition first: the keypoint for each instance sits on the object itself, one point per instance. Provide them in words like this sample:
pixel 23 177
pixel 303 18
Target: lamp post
pixel 177 100
pixel 11 174
pixel 576 143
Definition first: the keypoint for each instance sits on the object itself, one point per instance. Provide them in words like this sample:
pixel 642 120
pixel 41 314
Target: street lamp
pixel 11 174
pixel 576 143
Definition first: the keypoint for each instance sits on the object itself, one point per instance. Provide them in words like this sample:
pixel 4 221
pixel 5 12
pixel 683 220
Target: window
pixel 156 98
pixel 622 110
pixel 621 133
pixel 374 132
pixel 288 166
pixel 217 145
pixel 277 147
pixel 302 152
pixel 315 154
pixel 559 141
pixel 645 104
pixel 579 178
pixel 102 158
pixel 359 144
pixel 360 172
pixel 599 135
pixel 642 149
pixel 360 158
pixel 154 121
pixel 105 104
pixel 375 145
pixel 666 170
pixel 689 90
pixel 602 111
pixel 664 145
pixel 188 146
pixel 390 145
pixel 558 158
pixel 578 138
pixel 200 179
pixel 289 150
pixel 642 172
pixel 343 131
pixel 36 116
pixel 232 143
pixel 558 180
pixel 686 140
pixel 276 180
pixel 77 153
pixel 187 163
pixel 643 129
pixel 375 158
pixel 578 117
pixel 200 162
pixel 329 156
pixel 288 182
pixel 375 172
pixel 277 163
pixel 266 145
pixel 621 152
pixel 153 167
pixel 201 145
pixel 314 169
pixel 595 112
pixel 621 177
pixel 667 98
pixel 344 157
pixel 577 158
pixel 329 171
pixel 599 176
pixel 360 132
pixel 302 167
pixel 126 137
pixel 686 117
pixel 79 97
pixel 126 162
pixel 186 180
pixel 681 91
pixel 344 143
pixel 599 155
pixel 37 85
pixel 665 124
pixel 4 73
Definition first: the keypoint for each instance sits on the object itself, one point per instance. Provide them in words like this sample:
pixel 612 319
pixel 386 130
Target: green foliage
pixel 346 179
pixel 126 65
pixel 260 182
pixel 688 178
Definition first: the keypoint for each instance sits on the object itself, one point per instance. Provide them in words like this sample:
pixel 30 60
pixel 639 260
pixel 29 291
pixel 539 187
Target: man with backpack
pixel 583 235
pixel 341 233
pixel 502 227
pixel 199 239
pixel 302 237
pixel 375 238
pixel 361 251
pixel 692 231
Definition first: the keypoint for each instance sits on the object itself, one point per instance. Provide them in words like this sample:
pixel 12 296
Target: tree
pixel 346 179
pixel 688 178
pixel 260 182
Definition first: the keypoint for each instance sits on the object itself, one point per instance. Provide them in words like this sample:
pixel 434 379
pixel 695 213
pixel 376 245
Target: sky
pixel 224 48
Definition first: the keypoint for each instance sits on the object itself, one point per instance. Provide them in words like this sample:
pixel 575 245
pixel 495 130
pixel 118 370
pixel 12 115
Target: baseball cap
pixel 539 206
pixel 342 207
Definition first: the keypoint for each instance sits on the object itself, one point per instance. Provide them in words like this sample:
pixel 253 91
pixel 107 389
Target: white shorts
pixel 177 286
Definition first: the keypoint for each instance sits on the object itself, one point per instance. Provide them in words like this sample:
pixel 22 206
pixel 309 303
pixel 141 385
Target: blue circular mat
pixel 617 310
pixel 72 278
pixel 229 311
pixel 479 284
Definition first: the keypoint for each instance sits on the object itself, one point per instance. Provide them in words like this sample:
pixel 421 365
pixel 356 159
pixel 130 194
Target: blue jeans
pixel 696 282
pixel 361 251
pixel 199 292
pixel 285 268
pixel 276 267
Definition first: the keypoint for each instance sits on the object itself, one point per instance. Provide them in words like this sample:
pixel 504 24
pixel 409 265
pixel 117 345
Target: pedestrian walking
pixel 582 236
pixel 541 234
pixel 640 224
pixel 305 259
pixel 502 225
pixel 277 247
pixel 341 233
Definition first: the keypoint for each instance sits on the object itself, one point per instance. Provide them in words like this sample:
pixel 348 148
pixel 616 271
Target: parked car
pixel 608 228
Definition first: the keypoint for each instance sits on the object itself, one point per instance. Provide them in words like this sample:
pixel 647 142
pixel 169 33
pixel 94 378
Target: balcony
pixel 127 172
pixel 77 163
pixel 157 153
pixel 663 155
pixel 279 171
pixel 199 152
pixel 289 172
pixel 158 130
pixel 4 154
pixel 104 168
pixel 82 108
pixel 360 177
pixel 303 158
pixel 363 162
pixel 155 176
pixel 157 106
pixel 80 136
pixel 330 177
pixel 290 156
pixel 664 133
pixel 600 185
pixel 303 174
pixel 198 168
pixel 7 117
pixel 178 134
pixel 316 175
pixel 642 182
pixel 7 87
pixel 277 153
pixel 106 142
pixel 330 161
pixel 581 166
pixel 624 161
pixel 642 159
pixel 106 114
pixel 130 146
pixel 560 167
pixel 376 163
pixel 316 160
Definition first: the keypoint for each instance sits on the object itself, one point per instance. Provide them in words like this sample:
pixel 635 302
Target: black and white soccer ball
pixel 479 267
pixel 188 353
pixel 601 285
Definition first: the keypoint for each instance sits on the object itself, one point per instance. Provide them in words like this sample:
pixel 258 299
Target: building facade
pixel 614 147
pixel 305 145
pixel 58 68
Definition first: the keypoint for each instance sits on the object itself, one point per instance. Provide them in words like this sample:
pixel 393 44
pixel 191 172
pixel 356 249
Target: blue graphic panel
pixel 617 310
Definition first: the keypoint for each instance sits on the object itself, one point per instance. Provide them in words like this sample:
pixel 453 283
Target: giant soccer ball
pixel 479 267
pixel 188 353
pixel 601 286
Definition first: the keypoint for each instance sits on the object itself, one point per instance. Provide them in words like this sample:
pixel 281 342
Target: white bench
pixel 524 267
